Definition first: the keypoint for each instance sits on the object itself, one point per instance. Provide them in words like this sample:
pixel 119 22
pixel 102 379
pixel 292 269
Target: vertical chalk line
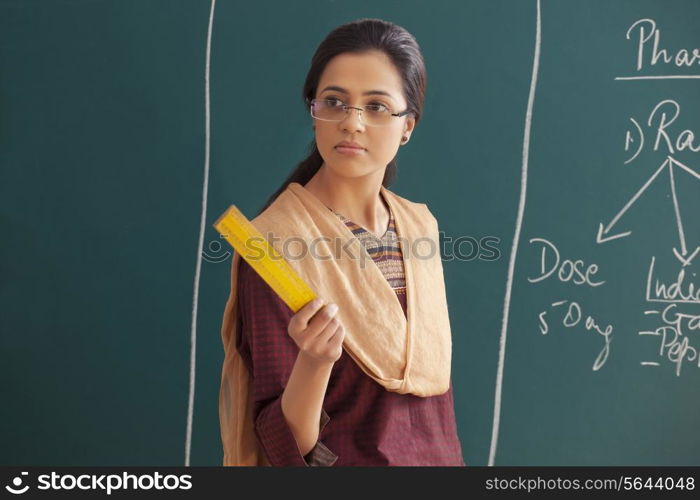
pixel 200 244
pixel 516 240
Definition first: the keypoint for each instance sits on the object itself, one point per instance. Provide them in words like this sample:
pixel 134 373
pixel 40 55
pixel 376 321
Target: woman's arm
pixel 303 398
pixel 319 336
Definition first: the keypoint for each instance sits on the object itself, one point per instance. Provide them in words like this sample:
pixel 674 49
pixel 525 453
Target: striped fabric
pixel 385 251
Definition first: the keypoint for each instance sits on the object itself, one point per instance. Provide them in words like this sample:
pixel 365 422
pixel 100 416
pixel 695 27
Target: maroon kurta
pixel 362 424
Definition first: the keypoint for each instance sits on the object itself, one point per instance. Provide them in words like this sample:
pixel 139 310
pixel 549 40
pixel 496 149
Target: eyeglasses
pixel 334 110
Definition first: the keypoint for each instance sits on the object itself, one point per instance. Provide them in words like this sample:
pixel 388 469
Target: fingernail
pixel 332 309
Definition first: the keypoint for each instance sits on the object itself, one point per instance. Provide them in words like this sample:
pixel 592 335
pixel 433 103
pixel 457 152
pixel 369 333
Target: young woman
pixel 365 379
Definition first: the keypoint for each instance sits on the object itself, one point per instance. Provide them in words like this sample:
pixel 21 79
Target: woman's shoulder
pixel 402 199
pixel 417 208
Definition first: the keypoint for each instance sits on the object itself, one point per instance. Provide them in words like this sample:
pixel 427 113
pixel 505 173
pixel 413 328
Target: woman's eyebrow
pixel 369 92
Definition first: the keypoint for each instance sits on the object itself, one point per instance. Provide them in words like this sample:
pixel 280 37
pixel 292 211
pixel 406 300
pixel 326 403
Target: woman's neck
pixel 358 199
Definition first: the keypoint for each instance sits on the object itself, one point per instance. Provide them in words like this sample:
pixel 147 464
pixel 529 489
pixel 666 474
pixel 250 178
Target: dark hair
pixel 360 36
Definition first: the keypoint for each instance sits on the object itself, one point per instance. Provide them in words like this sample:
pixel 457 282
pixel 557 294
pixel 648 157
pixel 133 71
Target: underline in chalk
pixel 666 77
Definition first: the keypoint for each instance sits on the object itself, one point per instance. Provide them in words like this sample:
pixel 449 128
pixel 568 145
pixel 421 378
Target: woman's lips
pixel 348 150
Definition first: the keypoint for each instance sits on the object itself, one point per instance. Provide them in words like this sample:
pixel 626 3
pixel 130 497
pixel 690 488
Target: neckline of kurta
pixel 386 229
pixel 381 238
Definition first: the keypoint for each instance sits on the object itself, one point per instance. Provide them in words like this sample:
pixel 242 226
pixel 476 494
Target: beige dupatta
pixel 404 354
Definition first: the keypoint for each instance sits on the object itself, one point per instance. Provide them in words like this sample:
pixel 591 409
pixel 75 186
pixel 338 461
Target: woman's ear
pixel 409 126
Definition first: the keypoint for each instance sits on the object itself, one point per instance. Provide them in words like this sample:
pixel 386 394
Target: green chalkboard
pixel 565 179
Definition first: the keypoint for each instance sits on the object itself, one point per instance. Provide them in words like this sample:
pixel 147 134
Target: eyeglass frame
pixel 345 110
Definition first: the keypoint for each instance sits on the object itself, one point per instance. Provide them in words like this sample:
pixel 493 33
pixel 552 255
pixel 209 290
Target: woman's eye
pixel 377 107
pixel 332 102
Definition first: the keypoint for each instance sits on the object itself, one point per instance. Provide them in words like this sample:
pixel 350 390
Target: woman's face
pixel 357 74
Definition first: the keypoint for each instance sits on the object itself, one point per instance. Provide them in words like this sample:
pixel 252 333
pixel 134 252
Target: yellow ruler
pixel 263 258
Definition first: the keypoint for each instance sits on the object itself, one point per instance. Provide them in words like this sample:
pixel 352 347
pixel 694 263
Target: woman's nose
pixel 352 120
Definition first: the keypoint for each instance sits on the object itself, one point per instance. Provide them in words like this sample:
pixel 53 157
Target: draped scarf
pixel 405 353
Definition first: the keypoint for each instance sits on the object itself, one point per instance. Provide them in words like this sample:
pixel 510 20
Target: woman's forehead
pixel 361 74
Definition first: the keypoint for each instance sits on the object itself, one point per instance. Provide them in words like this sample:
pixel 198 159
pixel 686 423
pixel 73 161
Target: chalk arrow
pixel 602 231
pixel 602 239
pixel 686 261
pixel 683 254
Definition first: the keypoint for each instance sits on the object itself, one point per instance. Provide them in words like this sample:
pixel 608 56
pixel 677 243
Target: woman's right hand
pixel 317 331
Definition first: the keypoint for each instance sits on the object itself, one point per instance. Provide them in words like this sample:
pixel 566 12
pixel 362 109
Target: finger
pixel 337 337
pixel 304 314
pixel 328 331
pixel 323 318
pixel 316 341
